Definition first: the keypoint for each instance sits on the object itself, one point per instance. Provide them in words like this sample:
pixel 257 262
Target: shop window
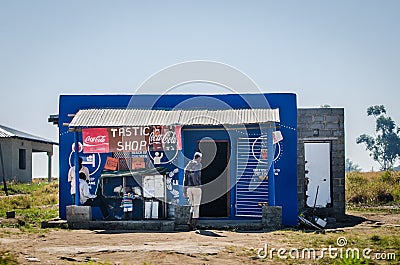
pixel 22 158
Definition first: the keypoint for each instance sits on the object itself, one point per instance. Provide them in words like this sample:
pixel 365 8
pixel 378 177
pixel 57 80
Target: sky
pixel 344 53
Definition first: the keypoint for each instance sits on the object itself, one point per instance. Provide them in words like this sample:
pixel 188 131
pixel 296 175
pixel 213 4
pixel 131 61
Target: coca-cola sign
pixel 169 138
pixel 163 138
pixel 95 140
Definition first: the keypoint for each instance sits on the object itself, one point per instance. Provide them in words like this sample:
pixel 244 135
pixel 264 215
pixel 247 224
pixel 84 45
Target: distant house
pixel 16 153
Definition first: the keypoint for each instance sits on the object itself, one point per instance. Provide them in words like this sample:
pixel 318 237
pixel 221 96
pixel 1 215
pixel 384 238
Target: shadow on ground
pixel 348 221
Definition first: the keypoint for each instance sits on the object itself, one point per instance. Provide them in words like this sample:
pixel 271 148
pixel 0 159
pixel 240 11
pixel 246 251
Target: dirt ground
pixel 60 246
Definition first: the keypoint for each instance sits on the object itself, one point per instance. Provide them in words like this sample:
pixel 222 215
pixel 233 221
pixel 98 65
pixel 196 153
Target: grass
pixel 7 258
pixel 373 209
pixel 22 188
pixel 373 189
pixel 33 203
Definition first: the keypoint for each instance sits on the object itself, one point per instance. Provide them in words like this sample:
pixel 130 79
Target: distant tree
pixel 385 147
pixel 350 166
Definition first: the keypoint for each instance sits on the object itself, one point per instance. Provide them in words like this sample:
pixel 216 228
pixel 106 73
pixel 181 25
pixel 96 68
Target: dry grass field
pixel 373 188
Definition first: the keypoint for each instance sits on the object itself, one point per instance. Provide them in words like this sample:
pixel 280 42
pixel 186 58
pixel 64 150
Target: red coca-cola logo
pixel 167 138
pixel 95 139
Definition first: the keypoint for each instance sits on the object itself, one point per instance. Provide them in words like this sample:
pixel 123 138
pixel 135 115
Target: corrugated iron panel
pixel 5 134
pixel 138 117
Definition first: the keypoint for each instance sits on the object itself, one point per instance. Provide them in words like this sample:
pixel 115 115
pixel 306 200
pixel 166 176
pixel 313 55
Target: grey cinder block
pixel 79 213
pixel 271 217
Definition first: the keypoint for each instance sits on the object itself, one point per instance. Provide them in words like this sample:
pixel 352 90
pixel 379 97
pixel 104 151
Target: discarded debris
pixel 309 219
pixel 68 259
pixel 32 259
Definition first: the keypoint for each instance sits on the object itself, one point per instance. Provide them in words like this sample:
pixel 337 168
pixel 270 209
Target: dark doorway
pixel 215 178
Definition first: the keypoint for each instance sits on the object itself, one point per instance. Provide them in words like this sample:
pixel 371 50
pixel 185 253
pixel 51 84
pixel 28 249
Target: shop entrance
pixel 215 178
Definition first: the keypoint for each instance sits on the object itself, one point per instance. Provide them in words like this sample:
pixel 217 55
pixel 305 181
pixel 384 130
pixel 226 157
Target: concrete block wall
pixel 330 125
pixel 10 148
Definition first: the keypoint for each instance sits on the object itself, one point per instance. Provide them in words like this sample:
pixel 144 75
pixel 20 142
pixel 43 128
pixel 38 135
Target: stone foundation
pixel 79 217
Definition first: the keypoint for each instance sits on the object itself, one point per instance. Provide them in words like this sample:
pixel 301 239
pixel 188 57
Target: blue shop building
pixel 248 141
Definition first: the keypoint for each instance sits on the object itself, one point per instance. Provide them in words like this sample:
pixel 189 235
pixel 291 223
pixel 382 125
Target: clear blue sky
pixel 344 53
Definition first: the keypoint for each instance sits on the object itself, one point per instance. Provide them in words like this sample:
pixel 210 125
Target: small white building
pixel 16 148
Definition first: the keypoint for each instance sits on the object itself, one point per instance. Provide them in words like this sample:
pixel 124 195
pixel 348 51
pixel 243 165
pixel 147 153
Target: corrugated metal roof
pixel 6 132
pixel 140 117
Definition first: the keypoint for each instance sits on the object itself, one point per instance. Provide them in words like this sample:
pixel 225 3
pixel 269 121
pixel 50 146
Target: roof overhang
pixel 142 117
pixel 6 132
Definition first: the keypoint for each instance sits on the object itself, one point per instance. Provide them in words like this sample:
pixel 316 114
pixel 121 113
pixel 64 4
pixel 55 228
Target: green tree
pixel 350 166
pixel 385 147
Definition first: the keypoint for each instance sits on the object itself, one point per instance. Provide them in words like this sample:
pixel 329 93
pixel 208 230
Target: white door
pixel 318 165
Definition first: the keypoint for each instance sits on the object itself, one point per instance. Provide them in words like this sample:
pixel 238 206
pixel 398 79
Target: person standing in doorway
pixel 192 188
pixel 71 177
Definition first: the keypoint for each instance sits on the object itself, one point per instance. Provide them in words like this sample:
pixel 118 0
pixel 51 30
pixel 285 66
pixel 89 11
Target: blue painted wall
pixel 285 163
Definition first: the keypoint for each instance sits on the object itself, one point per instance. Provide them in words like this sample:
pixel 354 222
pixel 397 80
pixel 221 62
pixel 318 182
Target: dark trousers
pixel 127 215
pixel 99 201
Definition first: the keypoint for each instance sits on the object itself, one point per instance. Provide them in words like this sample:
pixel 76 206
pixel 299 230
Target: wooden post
pixel 2 168
pixel 49 155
